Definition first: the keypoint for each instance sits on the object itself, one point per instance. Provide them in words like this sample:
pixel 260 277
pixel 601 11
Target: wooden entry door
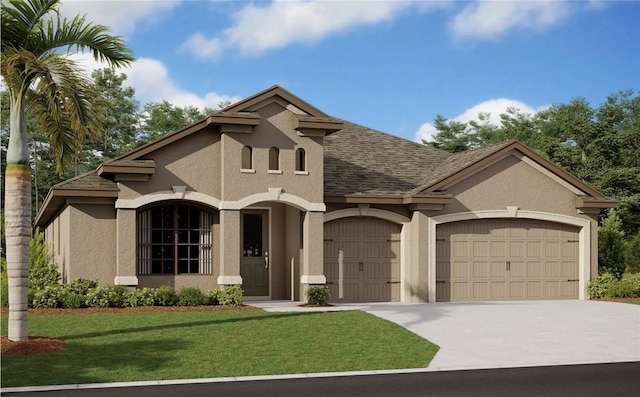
pixel 254 255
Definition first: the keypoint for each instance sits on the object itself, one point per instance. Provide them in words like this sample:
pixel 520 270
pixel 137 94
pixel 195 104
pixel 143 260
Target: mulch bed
pixel 37 344
pixel 623 300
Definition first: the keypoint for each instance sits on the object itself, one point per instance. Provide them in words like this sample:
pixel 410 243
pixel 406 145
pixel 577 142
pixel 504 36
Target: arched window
pixel 301 160
pixel 247 158
pixel 274 159
pixel 174 239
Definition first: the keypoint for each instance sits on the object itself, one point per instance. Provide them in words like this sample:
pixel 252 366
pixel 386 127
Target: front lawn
pixel 119 347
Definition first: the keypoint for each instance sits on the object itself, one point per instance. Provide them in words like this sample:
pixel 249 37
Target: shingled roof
pixel 362 161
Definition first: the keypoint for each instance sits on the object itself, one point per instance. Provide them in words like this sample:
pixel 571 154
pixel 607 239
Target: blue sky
pixel 392 66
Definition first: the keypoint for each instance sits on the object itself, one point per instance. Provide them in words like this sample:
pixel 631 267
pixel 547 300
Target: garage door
pixel 501 259
pixel 362 259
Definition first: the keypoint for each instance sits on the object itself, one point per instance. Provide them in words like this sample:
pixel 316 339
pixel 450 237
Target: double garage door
pixel 499 259
pixel 362 259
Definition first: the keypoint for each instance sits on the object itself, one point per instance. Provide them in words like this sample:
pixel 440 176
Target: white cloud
pixel 121 16
pixel 488 19
pixel 493 106
pixel 152 82
pixel 261 28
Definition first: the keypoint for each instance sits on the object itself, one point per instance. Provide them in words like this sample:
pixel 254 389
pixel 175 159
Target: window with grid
pixel 174 240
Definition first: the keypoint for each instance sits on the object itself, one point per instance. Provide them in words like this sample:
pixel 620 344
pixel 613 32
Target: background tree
pixel 599 145
pixel 39 77
pixel 160 118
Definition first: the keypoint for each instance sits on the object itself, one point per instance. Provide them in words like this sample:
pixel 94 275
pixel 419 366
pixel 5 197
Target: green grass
pixel 120 347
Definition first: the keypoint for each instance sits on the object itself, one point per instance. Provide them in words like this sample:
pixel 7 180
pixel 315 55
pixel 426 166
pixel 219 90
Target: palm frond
pixel 65 103
pixel 20 18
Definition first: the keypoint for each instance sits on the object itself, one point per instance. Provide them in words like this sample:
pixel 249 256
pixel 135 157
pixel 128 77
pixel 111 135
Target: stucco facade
pixel 247 195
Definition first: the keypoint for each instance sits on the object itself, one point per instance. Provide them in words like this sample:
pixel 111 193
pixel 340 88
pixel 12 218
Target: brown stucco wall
pixel 275 130
pixel 193 162
pixel 92 238
pixel 511 182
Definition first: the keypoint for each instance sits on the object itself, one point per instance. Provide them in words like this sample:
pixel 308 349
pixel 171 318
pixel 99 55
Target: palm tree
pixel 38 75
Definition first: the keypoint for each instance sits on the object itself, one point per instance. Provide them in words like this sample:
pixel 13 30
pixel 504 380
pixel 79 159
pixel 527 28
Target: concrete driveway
pixel 515 334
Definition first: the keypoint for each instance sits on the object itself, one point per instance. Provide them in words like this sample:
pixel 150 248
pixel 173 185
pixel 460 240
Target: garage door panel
pixel 534 269
pixel 370 259
pixel 460 291
pixel 460 249
pixel 498 290
pixel 460 270
pixel 552 269
pixel 534 289
pixel 481 270
pixel 480 249
pixel 514 259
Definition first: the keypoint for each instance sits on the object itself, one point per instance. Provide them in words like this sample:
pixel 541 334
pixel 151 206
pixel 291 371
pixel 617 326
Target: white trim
pixel 229 280
pixel 584 244
pixel 167 195
pixel 247 170
pixel 373 212
pixel 301 172
pixel 126 280
pixel 274 172
pixel 313 279
pixel 274 194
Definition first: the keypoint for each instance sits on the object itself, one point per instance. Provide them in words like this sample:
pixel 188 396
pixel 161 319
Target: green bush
pixel 318 294
pixel 213 297
pixel 231 296
pixel 166 296
pixel 49 297
pixel 625 288
pixel 42 269
pixel 4 290
pixel 191 296
pixel 142 297
pixel 72 300
pixel 599 286
pixel 110 296
pixel 82 286
pixel 612 247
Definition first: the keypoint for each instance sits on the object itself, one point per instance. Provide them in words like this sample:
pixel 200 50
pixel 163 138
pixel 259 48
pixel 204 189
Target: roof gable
pixel 273 94
pixel 464 164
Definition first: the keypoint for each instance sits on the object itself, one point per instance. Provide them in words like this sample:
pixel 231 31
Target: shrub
pixel 625 288
pixel 142 297
pixel 599 286
pixel 191 296
pixel 213 297
pixel 318 294
pixel 111 296
pixel 611 245
pixel 42 269
pixel 49 297
pixel 231 296
pixel 4 290
pixel 166 296
pixel 72 300
pixel 82 286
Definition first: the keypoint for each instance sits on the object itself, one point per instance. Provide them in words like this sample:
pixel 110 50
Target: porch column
pixel 126 247
pixel 229 248
pixel 420 257
pixel 313 252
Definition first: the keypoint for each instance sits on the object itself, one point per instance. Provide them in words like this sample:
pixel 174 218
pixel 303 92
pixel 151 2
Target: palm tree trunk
pixel 18 219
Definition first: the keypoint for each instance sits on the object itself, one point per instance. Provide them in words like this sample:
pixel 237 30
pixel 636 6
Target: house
pixel 274 194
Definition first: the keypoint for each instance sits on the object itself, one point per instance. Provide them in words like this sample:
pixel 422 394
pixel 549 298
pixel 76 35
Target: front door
pixel 254 258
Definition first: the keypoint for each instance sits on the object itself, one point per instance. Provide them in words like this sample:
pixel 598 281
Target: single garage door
pixel 362 259
pixel 501 259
